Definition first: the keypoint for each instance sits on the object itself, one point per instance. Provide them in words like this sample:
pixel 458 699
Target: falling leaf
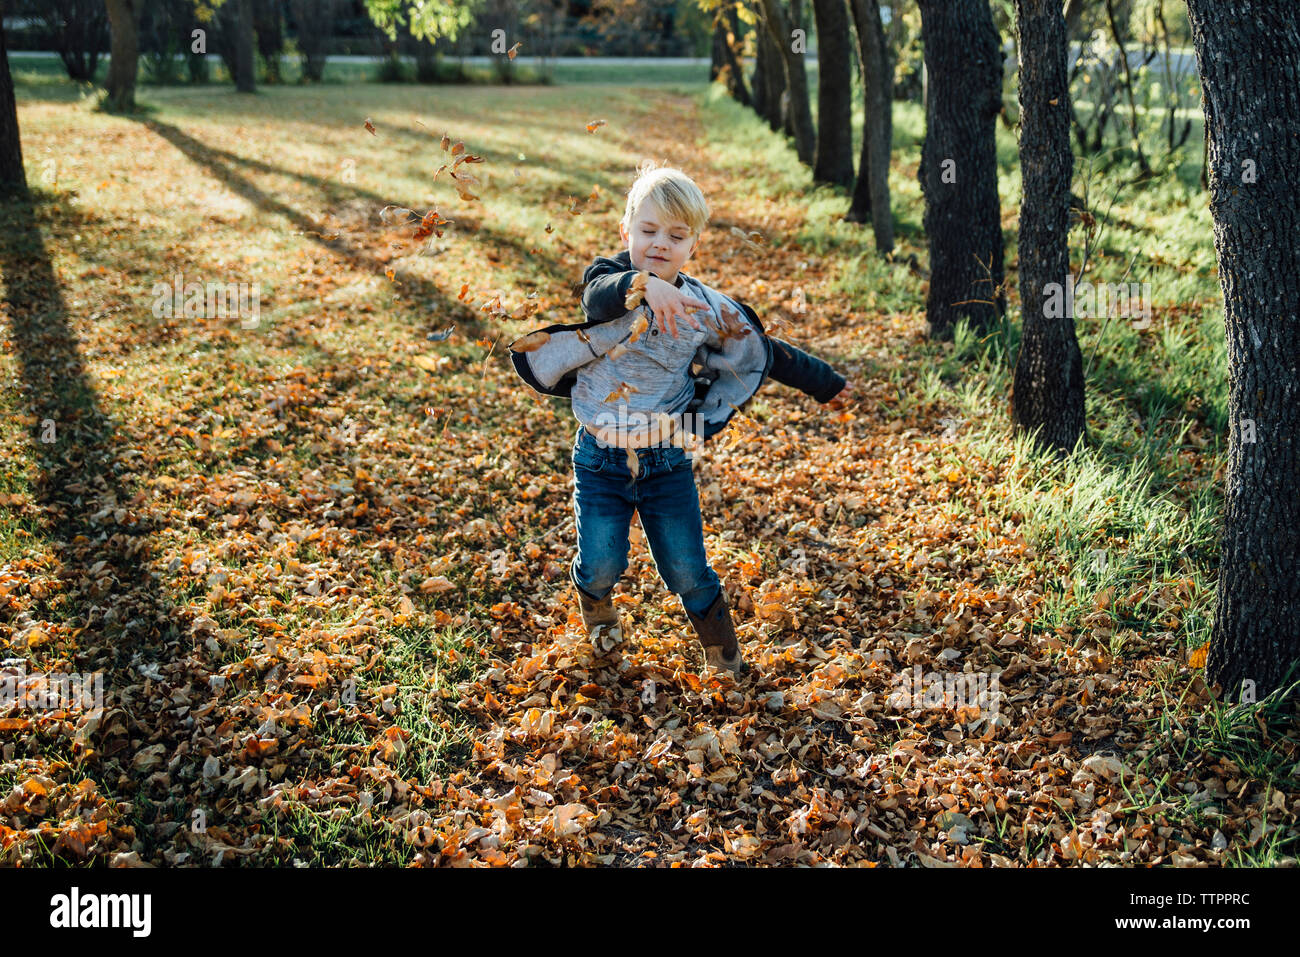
pixel 622 393
pixel 530 342
pixel 370 127
pixel 595 125
pixel 636 290
pixel 514 49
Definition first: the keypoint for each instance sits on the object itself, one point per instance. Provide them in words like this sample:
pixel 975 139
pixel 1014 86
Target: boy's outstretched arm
pixel 605 284
pixel 793 367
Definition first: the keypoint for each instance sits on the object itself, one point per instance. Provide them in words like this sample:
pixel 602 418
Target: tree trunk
pixel 757 80
pixel 80 28
pixel 315 22
pixel 717 59
pixel 726 61
pixel 795 18
pixel 796 80
pixel 1047 387
pixel 1073 15
pixel 769 80
pixel 13 178
pixel 833 162
pixel 124 52
pixel 959 169
pixel 1118 33
pixel 243 52
pixel 732 53
pixel 871 191
pixel 1252 103
pixel 267 21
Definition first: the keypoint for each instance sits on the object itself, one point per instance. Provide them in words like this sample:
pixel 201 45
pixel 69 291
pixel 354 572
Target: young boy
pixel 643 377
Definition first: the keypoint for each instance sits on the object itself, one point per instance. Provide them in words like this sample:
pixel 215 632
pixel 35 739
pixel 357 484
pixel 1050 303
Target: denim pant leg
pixel 669 507
pixel 602 512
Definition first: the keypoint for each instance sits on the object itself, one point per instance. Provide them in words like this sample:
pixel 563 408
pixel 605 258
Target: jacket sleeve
pixel 605 285
pixel 793 367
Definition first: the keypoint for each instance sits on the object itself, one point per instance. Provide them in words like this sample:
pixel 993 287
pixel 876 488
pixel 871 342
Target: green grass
pixel 46 77
pixel 1133 493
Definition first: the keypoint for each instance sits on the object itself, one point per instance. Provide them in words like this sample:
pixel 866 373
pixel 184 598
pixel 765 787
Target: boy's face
pixel 658 244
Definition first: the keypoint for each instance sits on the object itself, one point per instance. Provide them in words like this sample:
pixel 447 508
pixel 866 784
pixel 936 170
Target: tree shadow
pixel 109 614
pixel 223 165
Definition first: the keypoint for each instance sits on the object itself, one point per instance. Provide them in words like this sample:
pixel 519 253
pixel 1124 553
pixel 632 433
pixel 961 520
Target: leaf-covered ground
pixel 320 559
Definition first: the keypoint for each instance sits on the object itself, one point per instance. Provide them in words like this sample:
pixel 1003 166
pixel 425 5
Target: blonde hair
pixel 673 192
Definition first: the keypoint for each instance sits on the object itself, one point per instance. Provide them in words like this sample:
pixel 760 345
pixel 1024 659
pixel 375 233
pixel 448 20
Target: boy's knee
pixel 598 578
pixel 690 581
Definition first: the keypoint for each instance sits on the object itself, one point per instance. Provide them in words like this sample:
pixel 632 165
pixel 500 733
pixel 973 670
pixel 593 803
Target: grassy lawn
pixel 320 557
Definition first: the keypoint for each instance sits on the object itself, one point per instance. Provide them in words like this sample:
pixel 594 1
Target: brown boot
pixel 599 619
pixel 718 636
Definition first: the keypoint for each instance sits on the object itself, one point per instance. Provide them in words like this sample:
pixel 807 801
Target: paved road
pixel 1183 60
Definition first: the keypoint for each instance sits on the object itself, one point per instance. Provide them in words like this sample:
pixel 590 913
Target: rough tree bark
pixel 124 55
pixel 833 162
pixel 13 178
pixel 778 27
pixel 959 169
pixel 871 190
pixel 1047 387
pixel 1252 113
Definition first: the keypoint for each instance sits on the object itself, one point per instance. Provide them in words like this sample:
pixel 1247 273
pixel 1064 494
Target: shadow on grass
pixel 433 299
pixel 111 614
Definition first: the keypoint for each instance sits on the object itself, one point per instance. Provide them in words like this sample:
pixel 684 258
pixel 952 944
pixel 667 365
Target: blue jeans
pixel 604 497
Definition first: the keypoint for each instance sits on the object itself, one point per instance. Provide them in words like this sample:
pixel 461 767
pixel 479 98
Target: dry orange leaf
pixel 534 340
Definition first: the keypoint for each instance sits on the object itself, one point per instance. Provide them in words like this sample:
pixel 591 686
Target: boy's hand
pixel 668 302
pixel 846 396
